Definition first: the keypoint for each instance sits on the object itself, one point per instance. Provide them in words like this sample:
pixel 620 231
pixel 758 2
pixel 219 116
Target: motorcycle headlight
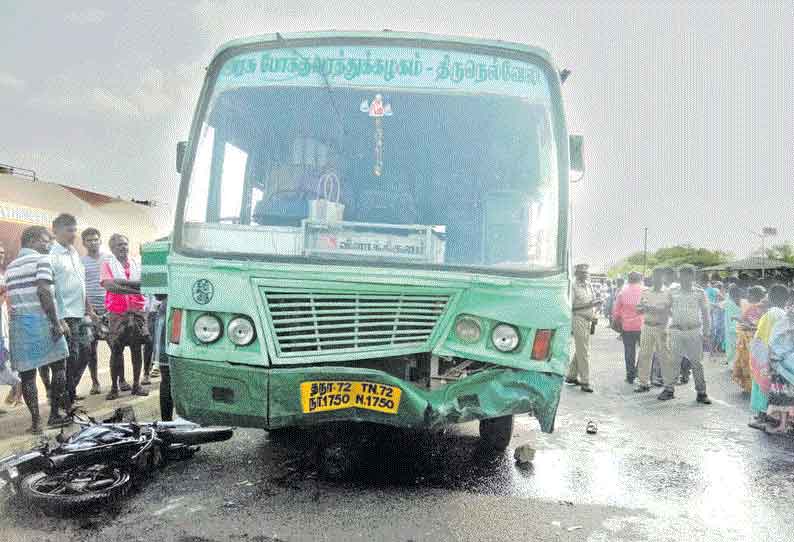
pixel 207 328
pixel 505 338
pixel 241 331
pixel 468 329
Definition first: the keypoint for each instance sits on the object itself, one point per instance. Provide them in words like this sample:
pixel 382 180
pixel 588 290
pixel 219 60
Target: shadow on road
pixel 372 455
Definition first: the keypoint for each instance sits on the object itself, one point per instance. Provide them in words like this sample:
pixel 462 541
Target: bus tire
pixel 495 433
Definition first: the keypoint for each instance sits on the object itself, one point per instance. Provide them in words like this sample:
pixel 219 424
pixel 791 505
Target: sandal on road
pixel 591 428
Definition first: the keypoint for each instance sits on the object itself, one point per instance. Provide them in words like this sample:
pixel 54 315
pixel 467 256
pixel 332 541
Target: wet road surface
pixel 654 471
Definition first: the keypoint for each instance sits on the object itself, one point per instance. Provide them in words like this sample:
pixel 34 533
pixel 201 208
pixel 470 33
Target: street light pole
pixel 766 230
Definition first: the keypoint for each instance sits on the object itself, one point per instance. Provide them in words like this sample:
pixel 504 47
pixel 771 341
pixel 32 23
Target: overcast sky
pixel 687 108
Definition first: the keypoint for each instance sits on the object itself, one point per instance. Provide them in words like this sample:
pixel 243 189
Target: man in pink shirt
pixel 625 313
pixel 120 276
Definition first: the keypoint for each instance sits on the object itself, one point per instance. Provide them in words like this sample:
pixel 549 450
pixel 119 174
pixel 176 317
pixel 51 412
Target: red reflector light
pixel 542 344
pixel 176 326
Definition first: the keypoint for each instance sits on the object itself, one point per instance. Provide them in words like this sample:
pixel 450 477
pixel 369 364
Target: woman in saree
pixel 732 309
pixel 745 332
pixel 780 412
pixel 760 355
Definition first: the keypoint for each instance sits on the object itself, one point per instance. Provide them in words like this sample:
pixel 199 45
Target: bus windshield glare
pixel 377 155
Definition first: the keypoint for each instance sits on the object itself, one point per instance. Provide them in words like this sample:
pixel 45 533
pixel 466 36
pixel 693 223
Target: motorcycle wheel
pixel 193 436
pixel 75 490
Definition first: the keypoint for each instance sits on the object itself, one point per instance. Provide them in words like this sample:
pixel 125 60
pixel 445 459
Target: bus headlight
pixel 505 338
pixel 207 328
pixel 241 331
pixel 468 329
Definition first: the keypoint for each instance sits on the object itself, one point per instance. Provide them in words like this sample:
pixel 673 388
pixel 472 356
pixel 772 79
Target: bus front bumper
pixel 246 396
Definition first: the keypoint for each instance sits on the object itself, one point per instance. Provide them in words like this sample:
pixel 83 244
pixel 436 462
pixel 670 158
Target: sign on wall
pixel 26 215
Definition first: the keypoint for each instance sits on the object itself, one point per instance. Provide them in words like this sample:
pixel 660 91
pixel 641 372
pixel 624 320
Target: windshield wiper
pixel 324 76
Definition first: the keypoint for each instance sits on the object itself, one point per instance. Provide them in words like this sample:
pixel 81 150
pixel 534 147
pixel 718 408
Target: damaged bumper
pixel 209 392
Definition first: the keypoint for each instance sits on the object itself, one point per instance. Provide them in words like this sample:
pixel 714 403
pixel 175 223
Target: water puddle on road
pixel 716 484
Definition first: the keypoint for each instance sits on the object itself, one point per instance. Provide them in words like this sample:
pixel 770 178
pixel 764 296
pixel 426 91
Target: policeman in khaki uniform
pixel 584 302
pixel 689 323
pixel 655 304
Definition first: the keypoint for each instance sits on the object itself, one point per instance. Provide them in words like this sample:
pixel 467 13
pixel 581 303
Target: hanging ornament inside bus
pixel 377 109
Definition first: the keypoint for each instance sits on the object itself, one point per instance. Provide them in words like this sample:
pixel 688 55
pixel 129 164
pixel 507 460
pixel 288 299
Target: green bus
pixel 373 227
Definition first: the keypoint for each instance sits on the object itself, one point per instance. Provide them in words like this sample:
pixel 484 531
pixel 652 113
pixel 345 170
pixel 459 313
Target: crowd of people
pixel 667 321
pixel 56 307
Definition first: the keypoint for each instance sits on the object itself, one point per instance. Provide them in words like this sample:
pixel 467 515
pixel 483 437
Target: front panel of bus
pixel 372 211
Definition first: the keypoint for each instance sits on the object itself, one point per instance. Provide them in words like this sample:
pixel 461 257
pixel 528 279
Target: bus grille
pixel 340 322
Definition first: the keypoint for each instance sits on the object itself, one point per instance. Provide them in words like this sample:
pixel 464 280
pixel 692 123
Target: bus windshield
pixel 377 155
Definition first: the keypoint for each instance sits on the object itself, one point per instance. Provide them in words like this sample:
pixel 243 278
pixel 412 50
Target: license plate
pixel 323 396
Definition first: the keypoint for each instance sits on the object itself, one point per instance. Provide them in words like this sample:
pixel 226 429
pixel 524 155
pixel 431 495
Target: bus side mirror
pixel 576 151
pixel 180 155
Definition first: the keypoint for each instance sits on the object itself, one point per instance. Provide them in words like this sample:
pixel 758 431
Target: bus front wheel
pixel 495 433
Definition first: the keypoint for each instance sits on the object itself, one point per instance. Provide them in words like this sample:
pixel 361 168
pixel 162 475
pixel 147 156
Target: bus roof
pixel 387 34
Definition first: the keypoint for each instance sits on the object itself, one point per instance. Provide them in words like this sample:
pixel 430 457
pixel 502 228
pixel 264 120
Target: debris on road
pixel 524 454
pixel 574 528
pixel 591 428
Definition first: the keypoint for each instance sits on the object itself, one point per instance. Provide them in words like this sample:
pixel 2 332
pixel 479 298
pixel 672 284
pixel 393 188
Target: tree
pixel 674 256
pixel 783 251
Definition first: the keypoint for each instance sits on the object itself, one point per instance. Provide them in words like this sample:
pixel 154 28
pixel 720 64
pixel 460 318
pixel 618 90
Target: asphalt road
pixel 654 471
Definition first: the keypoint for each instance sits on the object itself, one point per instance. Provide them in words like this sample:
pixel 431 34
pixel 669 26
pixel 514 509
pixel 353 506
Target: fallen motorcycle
pixel 100 462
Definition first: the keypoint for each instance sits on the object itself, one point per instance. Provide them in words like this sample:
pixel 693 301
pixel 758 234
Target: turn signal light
pixel 542 344
pixel 176 326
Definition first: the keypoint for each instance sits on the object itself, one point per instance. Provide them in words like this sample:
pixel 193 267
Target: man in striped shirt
pixel 36 335
pixel 92 262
